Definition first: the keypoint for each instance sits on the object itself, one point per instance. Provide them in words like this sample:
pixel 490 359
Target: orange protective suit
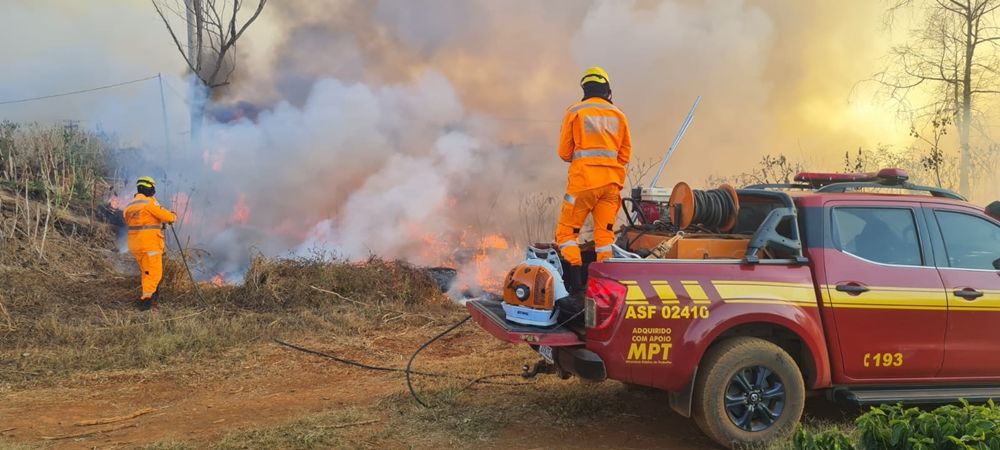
pixel 145 218
pixel 595 140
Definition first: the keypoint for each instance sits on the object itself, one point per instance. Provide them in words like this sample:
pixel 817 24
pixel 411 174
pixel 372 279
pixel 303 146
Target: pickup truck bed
pixel 490 316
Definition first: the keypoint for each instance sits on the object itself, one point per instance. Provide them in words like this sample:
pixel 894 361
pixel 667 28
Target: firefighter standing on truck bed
pixel 596 143
pixel 146 219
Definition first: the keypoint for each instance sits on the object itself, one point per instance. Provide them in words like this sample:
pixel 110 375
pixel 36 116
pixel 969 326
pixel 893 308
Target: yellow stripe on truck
pixel 665 292
pixel 990 301
pixel 890 298
pixel 695 292
pixel 798 294
pixel 634 293
pixel 753 292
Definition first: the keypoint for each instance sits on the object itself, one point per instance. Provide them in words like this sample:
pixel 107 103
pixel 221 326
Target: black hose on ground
pixel 409 364
pixel 180 249
pixel 408 370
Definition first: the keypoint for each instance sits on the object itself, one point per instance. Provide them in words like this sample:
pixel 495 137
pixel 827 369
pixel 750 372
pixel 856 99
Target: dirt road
pixel 251 396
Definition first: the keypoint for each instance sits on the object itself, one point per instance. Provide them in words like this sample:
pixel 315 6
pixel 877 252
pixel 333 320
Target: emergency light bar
pixel 844 182
pixel 817 179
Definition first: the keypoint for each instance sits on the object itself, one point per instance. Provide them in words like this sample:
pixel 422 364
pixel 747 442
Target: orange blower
pixel 532 287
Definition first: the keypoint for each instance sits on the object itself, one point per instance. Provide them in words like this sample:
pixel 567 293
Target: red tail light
pixel 603 302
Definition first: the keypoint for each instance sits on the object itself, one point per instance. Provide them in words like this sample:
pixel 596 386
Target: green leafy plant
pixel 832 439
pixel 959 427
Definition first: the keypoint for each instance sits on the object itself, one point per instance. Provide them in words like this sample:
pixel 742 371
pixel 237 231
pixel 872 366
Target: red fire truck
pixel 869 296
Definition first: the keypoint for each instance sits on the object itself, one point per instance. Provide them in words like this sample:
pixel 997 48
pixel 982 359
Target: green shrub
pixel 832 439
pixel 964 427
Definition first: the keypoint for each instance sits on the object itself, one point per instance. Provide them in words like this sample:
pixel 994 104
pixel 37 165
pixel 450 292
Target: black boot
pixel 571 306
pixel 144 304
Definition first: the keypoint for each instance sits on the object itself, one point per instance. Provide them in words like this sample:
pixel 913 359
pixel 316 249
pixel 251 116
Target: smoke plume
pixel 412 129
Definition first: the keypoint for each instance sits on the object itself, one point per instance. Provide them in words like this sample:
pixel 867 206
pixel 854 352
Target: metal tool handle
pixel 676 142
pixel 180 250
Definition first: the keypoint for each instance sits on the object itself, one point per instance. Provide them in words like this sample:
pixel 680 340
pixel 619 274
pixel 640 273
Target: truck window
pixel 970 242
pixel 882 235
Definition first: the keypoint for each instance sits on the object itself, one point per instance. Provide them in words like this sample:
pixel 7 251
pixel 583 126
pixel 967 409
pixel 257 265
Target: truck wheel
pixel 748 392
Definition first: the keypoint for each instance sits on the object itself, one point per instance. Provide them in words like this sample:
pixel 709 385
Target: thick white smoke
pixel 412 129
pixel 399 203
pixel 357 170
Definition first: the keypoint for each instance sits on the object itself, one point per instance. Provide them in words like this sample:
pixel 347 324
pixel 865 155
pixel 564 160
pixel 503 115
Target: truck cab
pixel 836 286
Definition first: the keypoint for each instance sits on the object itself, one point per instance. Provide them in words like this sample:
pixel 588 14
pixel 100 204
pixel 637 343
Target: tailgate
pixel 490 316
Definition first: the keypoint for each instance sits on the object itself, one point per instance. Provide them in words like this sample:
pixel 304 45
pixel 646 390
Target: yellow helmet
pixel 145 182
pixel 595 74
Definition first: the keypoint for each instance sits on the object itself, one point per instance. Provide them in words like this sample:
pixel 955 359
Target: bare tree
pixel 537 212
pixel 935 159
pixel 213 29
pixel 953 55
pixel 770 169
pixel 638 169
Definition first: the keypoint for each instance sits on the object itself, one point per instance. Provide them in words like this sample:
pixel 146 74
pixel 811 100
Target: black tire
pixel 765 401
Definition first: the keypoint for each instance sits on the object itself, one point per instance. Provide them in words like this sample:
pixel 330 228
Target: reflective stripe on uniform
pixel 144 227
pixel 568 244
pixel 600 124
pixel 152 253
pixel 138 202
pixel 603 248
pixel 593 105
pixel 569 199
pixel 600 153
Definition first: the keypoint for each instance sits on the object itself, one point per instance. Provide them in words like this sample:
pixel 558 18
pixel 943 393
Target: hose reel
pixel 715 209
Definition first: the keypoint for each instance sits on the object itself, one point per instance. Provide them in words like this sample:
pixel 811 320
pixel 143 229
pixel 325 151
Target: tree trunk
pixel 199 96
pixel 965 166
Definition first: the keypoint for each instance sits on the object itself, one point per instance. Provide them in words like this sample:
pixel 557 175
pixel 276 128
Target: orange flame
pixel 218 281
pixel 181 205
pixel 487 274
pixel 495 241
pixel 241 212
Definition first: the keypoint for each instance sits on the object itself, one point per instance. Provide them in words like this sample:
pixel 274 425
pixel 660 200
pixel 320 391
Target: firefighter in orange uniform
pixel 596 143
pixel 146 219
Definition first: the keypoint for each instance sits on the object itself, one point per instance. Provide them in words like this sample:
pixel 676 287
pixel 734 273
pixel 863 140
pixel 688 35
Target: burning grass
pixel 66 293
pixel 54 326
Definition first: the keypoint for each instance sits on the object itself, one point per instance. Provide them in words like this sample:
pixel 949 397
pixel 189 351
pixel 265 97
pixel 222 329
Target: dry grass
pixel 72 312
pixel 51 182
pixel 56 326
pixel 65 292
pixel 8 445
